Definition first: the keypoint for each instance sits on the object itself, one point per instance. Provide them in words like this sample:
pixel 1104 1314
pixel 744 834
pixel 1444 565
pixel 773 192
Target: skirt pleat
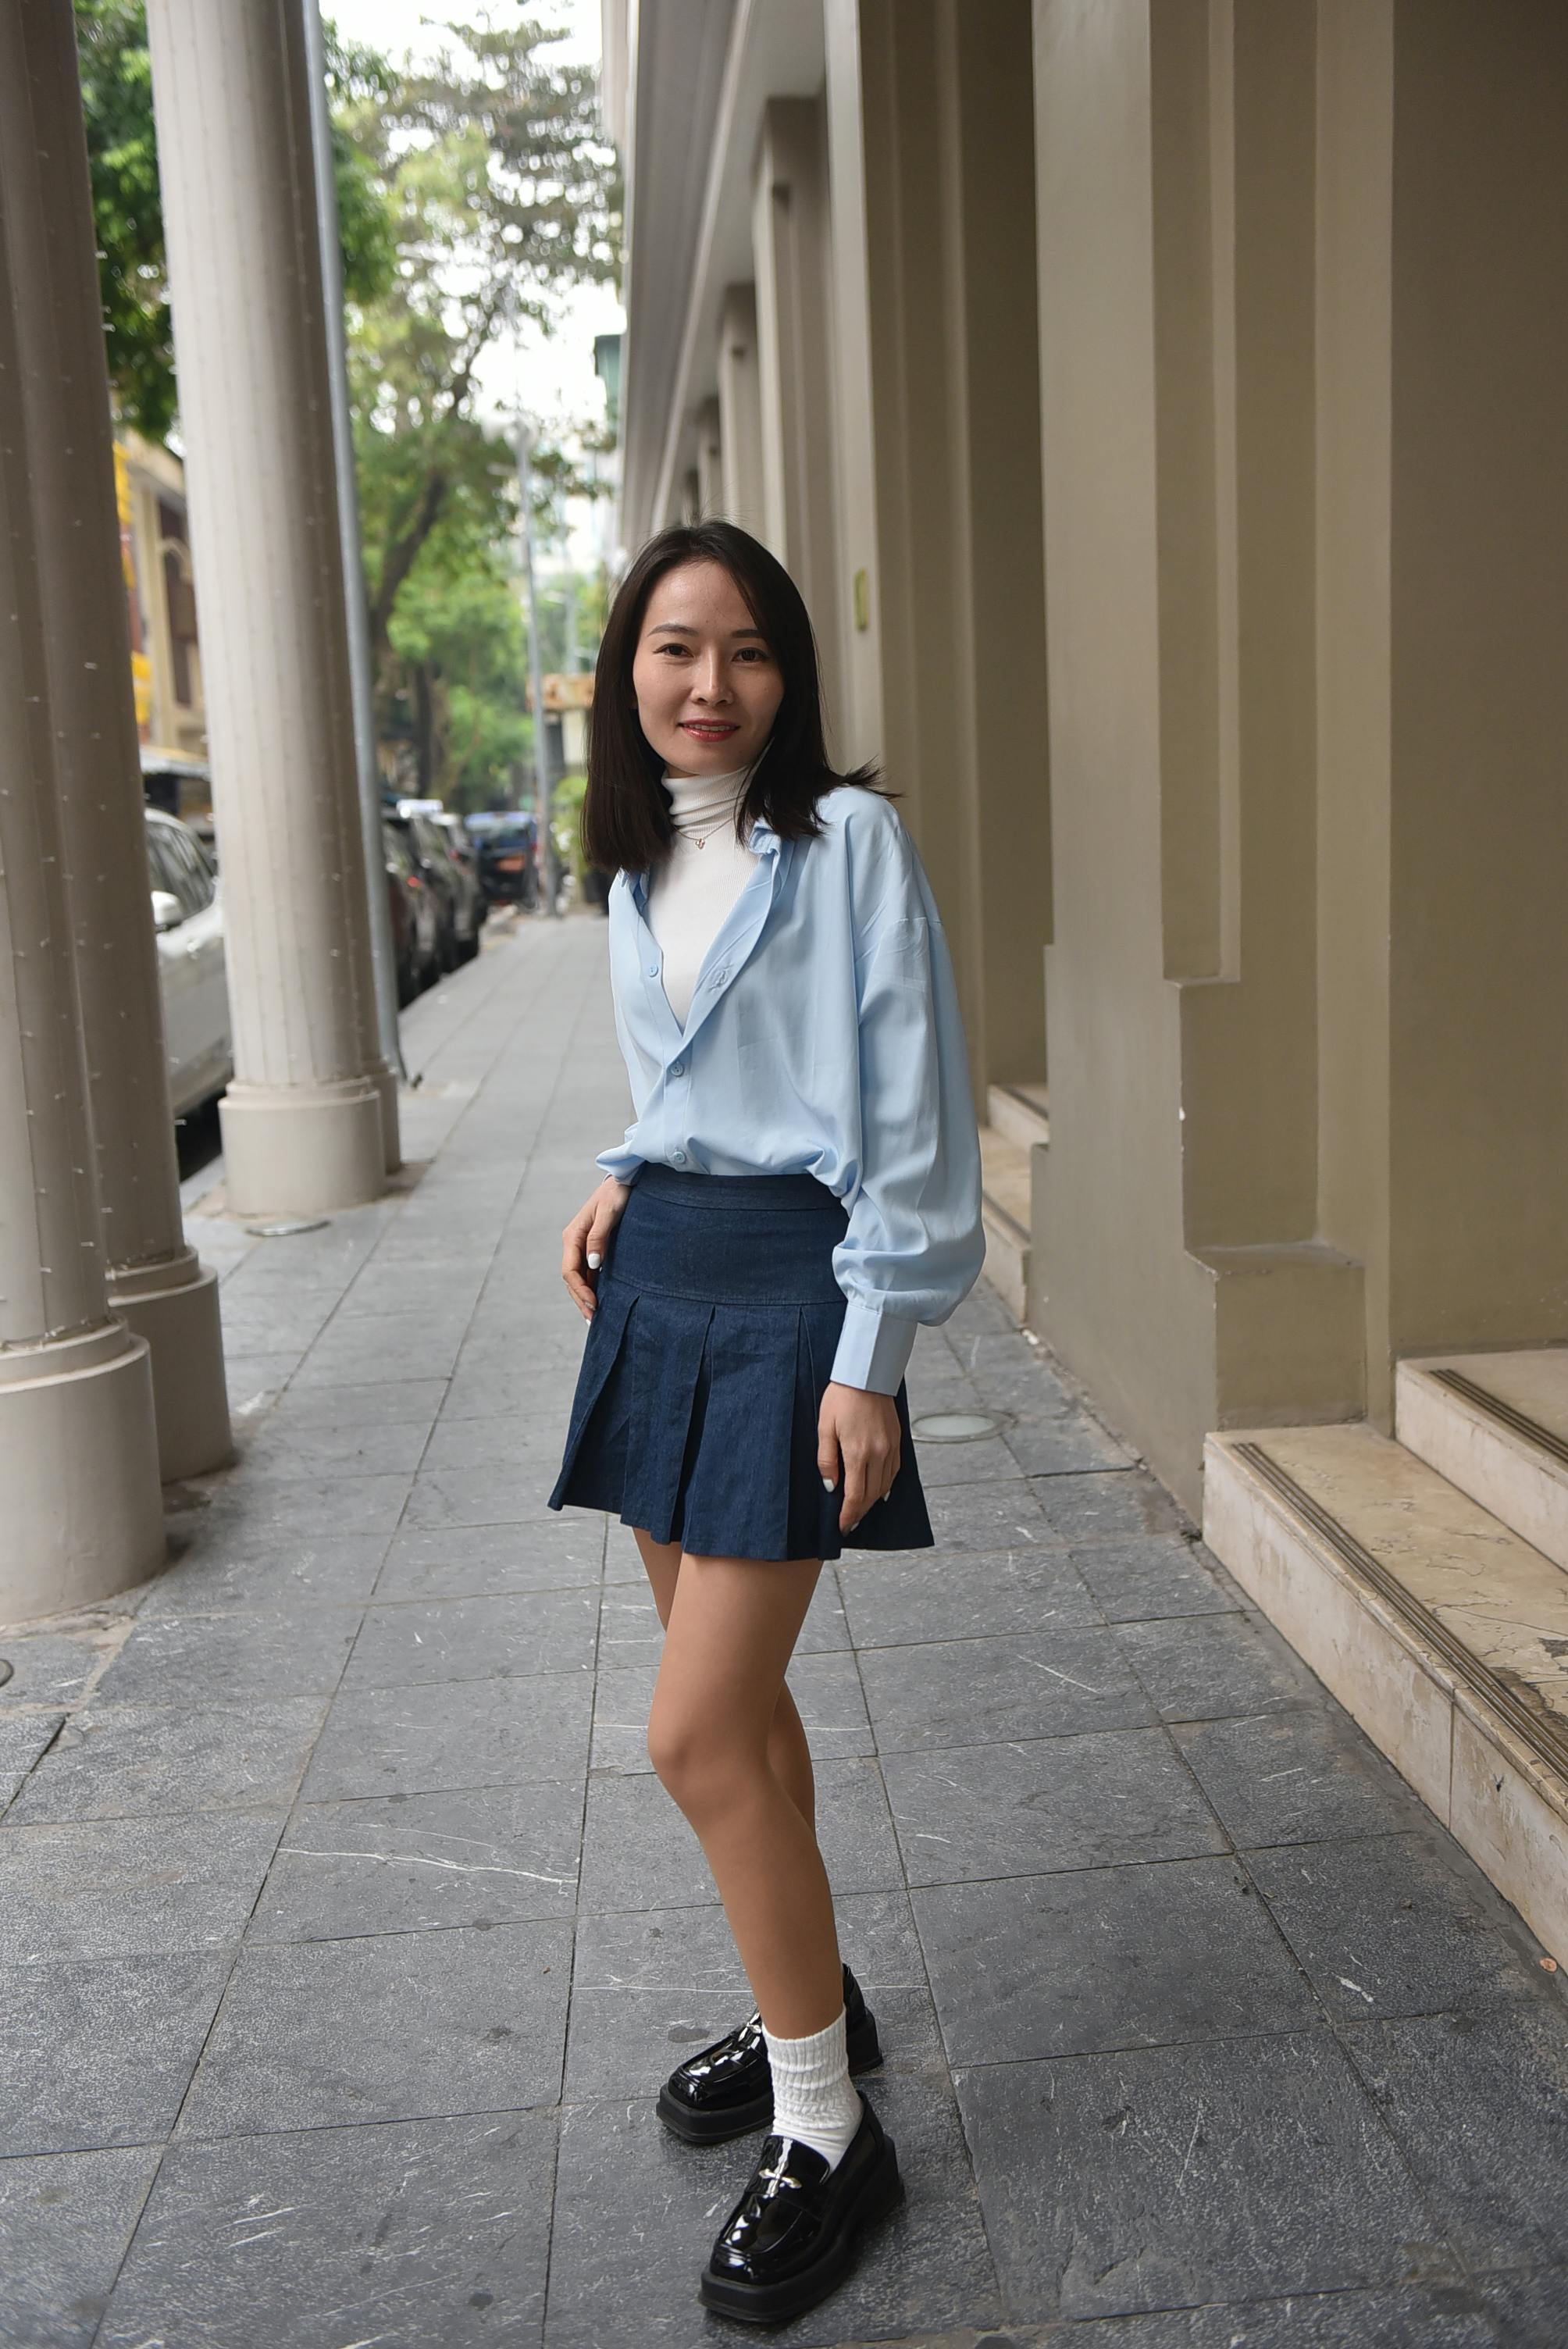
pixel 706 1362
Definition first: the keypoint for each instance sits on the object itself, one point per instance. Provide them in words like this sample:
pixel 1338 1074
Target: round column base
pixel 302 1150
pixel 78 1467
pixel 174 1305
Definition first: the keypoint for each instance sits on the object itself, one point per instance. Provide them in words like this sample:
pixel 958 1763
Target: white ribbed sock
pixel 814 2101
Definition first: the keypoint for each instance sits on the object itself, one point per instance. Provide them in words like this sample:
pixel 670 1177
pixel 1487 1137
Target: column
pixel 302 1121
pixel 78 1456
pixel 709 461
pixel 794 343
pixel 741 412
pixel 155 1280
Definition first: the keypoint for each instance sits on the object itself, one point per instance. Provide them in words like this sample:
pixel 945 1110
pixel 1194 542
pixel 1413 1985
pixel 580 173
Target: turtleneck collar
pixel 701 801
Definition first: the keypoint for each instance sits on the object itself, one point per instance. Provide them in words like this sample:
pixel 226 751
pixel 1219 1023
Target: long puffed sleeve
pixel 916 1244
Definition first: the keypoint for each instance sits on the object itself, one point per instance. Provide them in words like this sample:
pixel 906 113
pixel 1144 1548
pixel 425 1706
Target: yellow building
pixel 165 658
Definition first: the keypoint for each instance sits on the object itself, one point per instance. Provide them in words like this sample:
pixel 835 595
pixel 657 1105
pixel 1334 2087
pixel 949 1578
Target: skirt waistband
pixel 738 1193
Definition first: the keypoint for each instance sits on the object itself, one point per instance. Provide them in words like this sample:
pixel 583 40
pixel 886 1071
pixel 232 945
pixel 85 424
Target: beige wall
pixel 930 139
pixel 1307 500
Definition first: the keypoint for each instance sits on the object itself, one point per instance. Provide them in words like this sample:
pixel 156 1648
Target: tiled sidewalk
pixel 345 1935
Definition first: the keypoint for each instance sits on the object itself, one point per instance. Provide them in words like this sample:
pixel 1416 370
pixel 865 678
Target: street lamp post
pixel 522 443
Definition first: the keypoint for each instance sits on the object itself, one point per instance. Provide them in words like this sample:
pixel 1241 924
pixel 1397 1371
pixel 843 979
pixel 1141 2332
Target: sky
pixel 550 377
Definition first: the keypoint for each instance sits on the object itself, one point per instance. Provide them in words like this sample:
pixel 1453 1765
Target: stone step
pixel 1006 1211
pixel 1497 1426
pixel 1019 1113
pixel 1440 1629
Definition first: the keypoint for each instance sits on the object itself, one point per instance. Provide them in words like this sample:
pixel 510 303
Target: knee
pixel 693 1764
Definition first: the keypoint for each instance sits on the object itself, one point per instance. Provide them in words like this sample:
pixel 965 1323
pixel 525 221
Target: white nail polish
pixel 827 1484
pixel 594 1260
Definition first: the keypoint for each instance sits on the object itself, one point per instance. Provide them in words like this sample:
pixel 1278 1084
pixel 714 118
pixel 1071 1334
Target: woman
pixel 799 1190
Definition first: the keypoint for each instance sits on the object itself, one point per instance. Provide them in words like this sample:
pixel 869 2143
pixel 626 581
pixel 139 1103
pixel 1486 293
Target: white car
pixel 191 963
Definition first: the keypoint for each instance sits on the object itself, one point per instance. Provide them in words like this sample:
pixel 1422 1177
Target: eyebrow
pixel 684 628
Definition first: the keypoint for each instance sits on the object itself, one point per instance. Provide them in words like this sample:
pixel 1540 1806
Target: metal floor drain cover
pixel 955 1426
pixel 287 1231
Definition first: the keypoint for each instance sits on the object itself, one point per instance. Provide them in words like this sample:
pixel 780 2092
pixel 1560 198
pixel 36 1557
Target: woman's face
pixel 706 683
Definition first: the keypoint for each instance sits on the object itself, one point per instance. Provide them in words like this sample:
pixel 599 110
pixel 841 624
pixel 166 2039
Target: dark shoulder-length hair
pixel 626 822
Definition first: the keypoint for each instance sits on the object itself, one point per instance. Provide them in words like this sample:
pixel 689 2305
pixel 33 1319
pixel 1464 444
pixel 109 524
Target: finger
pixel 859 1494
pixel 828 1458
pixel 572 1272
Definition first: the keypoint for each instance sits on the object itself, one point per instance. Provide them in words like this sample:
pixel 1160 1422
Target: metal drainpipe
pixel 361 684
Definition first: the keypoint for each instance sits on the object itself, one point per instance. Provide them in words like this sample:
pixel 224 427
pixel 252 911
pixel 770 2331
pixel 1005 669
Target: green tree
pixel 122 159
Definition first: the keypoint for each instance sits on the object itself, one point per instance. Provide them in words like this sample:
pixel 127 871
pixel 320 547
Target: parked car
pixel 187 915
pixel 457 890
pixel 416 917
pixel 465 853
pixel 509 872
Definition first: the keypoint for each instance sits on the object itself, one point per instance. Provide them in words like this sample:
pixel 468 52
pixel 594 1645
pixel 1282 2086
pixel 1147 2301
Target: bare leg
pixel 732 1627
pixel 787 1748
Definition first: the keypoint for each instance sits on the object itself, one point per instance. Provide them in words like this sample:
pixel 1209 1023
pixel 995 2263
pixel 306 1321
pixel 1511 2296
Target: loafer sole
pixel 694 2126
pixel 776 2303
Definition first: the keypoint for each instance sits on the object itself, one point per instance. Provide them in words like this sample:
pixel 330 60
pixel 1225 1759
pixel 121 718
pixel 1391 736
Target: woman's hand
pixel 585 1238
pixel 858 1433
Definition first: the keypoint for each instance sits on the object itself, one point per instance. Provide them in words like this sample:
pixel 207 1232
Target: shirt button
pixel 677 1068
pixel 677 1158
pixel 720 977
pixel 653 970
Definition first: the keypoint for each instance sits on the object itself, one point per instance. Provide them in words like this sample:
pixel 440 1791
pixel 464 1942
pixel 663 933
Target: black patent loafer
pixel 727 2089
pixel 793 2236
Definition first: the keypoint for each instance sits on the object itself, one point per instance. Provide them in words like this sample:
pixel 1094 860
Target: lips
pixel 707 733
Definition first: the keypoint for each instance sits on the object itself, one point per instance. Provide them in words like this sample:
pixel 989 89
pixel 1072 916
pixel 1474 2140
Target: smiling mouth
pixel 711 729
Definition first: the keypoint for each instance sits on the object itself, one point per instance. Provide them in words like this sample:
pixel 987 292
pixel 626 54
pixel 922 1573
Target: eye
pixel 753 653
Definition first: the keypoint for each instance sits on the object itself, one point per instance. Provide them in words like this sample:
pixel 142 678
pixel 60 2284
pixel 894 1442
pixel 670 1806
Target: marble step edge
pixel 1010 1111
pixel 1512 1465
pixel 1493 1775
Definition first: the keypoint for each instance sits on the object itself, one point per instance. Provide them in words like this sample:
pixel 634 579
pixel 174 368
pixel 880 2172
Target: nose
pixel 710 683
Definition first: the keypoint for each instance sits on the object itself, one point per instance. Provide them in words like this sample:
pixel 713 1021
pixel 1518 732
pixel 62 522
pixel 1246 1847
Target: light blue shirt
pixel 824 1037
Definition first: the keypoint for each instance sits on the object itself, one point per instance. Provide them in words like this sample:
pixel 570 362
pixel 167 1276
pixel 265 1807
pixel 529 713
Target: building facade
pixel 1160 405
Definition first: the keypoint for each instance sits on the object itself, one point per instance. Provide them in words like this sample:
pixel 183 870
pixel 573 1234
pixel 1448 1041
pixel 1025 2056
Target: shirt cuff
pixel 623 1164
pixel 873 1349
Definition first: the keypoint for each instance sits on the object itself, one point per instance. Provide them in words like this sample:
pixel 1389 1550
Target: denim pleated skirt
pixel 707 1360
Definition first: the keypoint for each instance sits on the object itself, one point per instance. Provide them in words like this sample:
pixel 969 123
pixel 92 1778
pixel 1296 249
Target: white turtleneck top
pixel 700 879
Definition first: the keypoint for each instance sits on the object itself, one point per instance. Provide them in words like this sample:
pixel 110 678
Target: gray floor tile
pixel 406 1863
pixel 826 1688
pixel 1297 1777
pixel 53 1667
pixel 1105 1957
pixel 226 1659
pixel 1121 1505
pixel 125 1888
pixel 252 1513
pixel 509 1493
pixel 1151 1577
pixel 414 1641
pixel 477 1448
pixel 1002 1515
pixel 504 1732
pixel 381 1402
pixel 101 2053
pixel 1099 1800
pixel 639 1853
pixel 1477 2103
pixel 133 1761
pixel 1212 1666
pixel 406 2233
pixel 978 1461
pixel 983 1691
pixel 478 1561
pixel 23 1738
pixel 1399 1924
pixel 363 1448
pixel 400 2026
pixel 927 2267
pixel 1071 1444
pixel 1441 2315
pixel 927 1595
pixel 353 1353
pixel 298 1570
pixel 1234 2170
pixel 65 2222
pixel 650 1986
